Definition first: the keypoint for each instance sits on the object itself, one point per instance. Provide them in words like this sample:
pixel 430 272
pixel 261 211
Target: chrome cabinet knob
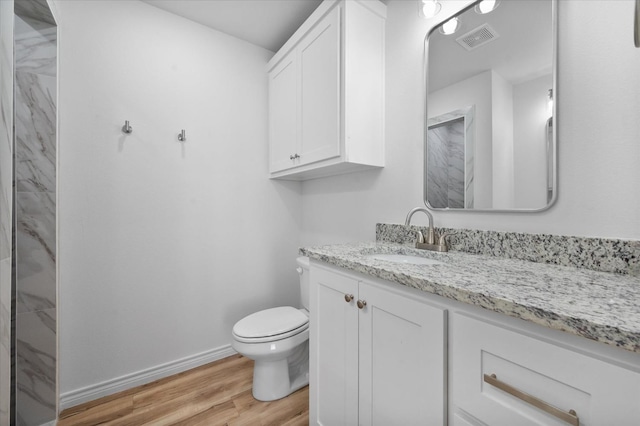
pixel 348 297
pixel 361 304
pixel 291 157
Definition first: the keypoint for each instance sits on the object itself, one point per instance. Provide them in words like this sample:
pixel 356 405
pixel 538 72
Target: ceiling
pixel 266 23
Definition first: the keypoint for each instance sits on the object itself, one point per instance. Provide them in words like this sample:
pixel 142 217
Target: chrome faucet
pixel 428 243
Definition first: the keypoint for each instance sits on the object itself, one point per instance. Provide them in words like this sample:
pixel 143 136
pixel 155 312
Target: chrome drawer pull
pixel 570 416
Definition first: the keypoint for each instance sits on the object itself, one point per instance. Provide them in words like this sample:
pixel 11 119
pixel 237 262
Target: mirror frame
pixel 554 112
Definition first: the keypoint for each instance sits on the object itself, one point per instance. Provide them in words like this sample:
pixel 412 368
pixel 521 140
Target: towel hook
pixel 127 128
pixel 181 136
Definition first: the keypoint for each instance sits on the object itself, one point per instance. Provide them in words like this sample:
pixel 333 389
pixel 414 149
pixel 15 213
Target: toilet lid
pixel 270 322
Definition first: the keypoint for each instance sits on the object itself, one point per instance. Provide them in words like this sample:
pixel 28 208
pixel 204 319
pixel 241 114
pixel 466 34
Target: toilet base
pixel 276 379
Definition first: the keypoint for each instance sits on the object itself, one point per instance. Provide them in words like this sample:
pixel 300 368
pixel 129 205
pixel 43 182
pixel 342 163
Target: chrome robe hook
pixel 127 128
pixel 181 136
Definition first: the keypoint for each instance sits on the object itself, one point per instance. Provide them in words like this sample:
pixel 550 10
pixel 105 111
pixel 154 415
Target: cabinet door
pixel 333 349
pixel 283 107
pixel 320 90
pixel 599 392
pixel 402 360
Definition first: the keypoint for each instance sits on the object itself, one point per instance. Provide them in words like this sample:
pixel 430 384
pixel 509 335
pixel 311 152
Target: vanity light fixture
pixel 429 8
pixel 450 27
pixel 486 6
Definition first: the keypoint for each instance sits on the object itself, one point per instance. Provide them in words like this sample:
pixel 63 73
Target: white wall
pixel 502 137
pixel 163 245
pixel 530 111
pixel 474 91
pixel 599 130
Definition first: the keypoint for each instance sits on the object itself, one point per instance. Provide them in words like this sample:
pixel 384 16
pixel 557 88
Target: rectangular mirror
pixel 490 140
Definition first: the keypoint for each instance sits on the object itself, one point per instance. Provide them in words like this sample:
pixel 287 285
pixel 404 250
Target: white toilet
pixel 277 340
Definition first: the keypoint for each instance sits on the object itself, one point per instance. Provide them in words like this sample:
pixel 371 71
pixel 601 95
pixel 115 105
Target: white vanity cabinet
pixel 377 353
pixel 326 93
pixel 501 376
pixel 412 358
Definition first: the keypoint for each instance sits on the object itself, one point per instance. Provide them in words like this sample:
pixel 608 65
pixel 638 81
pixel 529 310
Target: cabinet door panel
pixel 600 393
pixel 283 101
pixel 333 350
pixel 402 360
pixel 320 91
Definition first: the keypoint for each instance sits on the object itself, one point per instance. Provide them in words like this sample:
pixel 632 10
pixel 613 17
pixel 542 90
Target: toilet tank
pixel 303 272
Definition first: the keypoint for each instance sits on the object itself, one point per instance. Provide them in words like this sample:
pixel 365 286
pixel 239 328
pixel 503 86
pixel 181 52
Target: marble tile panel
pixel 6 190
pixel 5 225
pixel 437 167
pixel 456 164
pixel 37 11
pixel 5 304
pixel 437 146
pixel 36 246
pixel 35 50
pixel 6 125
pixel 450 158
pixel 598 254
pixel 35 133
pixel 469 154
pixel 5 383
pixel 437 189
pixel 36 367
pixel 5 340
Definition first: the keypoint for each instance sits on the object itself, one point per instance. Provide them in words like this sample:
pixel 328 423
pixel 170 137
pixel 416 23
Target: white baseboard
pixel 108 387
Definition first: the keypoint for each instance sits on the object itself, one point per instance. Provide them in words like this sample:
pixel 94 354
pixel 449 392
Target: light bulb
pixel 450 27
pixel 430 8
pixel 486 6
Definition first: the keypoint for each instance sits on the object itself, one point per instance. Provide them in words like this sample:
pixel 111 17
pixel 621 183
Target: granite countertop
pixel 600 306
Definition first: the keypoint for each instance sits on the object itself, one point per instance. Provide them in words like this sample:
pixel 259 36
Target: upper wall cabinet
pixel 326 93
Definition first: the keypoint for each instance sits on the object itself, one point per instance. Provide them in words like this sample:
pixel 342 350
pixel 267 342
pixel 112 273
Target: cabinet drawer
pixel 502 377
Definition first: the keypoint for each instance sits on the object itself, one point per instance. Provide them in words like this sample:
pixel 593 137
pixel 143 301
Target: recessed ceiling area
pixel 266 23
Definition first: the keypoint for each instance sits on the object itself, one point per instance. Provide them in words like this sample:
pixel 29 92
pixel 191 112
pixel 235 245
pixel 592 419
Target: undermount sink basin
pixel 405 258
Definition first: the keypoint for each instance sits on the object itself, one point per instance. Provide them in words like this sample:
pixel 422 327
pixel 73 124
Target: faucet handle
pixel 420 237
pixel 431 236
pixel 442 239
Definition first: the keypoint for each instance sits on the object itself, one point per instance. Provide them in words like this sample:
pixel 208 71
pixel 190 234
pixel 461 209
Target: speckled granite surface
pixel 598 254
pixel 597 305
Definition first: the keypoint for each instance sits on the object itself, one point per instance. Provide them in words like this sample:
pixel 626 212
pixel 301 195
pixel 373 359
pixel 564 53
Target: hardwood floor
pixel 214 394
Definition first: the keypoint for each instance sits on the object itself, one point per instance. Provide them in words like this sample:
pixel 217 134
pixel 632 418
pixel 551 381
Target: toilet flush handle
pixel 300 271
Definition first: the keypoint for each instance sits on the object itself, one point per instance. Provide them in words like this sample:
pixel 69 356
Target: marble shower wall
pixel 6 194
pixel 35 180
pixel 446 165
pixel 450 159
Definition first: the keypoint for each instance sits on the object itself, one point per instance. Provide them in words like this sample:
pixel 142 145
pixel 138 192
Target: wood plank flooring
pixel 213 394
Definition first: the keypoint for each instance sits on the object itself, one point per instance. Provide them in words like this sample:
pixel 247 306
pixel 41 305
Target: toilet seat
pixel 270 325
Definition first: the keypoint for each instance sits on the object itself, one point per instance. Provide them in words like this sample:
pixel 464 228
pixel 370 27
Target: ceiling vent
pixel 477 37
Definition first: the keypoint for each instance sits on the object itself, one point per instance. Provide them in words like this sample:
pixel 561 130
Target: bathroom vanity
pixel 473 340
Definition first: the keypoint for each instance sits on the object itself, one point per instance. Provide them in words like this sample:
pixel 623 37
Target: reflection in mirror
pixel 490 142
pixel 450 168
